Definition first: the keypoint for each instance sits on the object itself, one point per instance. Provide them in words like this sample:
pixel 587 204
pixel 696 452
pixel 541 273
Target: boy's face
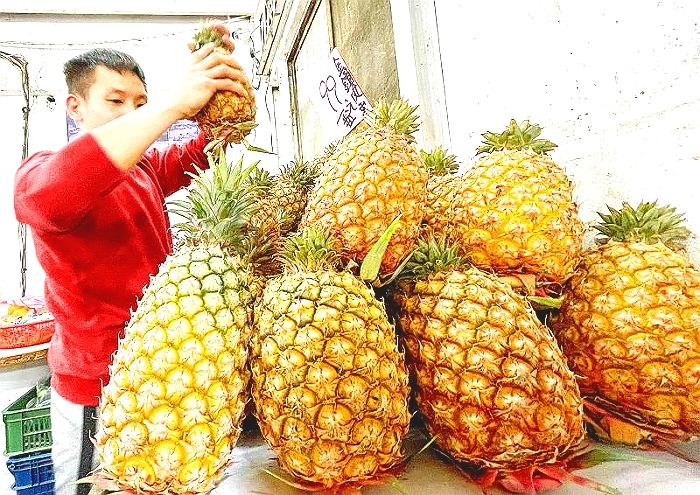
pixel 111 95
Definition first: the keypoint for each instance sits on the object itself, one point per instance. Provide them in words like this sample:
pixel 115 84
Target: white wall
pixel 615 84
pixel 159 45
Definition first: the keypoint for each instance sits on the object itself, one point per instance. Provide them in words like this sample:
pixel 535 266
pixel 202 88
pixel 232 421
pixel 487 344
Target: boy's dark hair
pixel 80 70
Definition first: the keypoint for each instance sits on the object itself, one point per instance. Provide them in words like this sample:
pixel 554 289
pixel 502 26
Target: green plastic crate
pixel 27 429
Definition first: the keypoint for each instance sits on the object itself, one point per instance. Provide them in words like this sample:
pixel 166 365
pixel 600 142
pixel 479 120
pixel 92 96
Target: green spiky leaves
pixel 523 136
pixel 439 162
pixel 312 249
pixel 218 204
pixel 210 34
pixel 647 223
pixel 432 254
pixel 398 116
pixel 300 173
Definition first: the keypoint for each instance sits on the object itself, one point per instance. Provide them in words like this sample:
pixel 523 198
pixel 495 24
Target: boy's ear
pixel 74 106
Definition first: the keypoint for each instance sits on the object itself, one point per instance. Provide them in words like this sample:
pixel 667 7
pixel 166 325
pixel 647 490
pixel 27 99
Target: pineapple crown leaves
pixel 647 223
pixel 438 162
pixel 300 172
pixel 218 204
pixel 210 33
pixel 523 136
pixel 260 178
pixel 398 116
pixel 311 249
pixel 433 254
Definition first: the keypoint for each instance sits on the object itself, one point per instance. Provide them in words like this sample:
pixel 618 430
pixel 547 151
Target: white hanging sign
pixel 340 99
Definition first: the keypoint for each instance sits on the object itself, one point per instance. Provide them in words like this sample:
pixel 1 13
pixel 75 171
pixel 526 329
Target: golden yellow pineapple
pixel 169 416
pixel 492 384
pixel 227 116
pixel 329 384
pixel 442 187
pixel 515 212
pixel 373 176
pixel 629 326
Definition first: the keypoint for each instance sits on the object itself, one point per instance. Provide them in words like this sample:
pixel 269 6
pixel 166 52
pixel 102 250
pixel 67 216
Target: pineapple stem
pixel 516 137
pixel 647 223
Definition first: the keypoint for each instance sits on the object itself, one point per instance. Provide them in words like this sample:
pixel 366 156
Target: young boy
pixel 96 212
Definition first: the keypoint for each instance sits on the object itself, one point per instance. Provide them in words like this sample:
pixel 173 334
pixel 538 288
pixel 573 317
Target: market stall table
pixel 428 473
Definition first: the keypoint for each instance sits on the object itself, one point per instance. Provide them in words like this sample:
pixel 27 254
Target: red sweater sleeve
pixel 54 191
pixel 171 163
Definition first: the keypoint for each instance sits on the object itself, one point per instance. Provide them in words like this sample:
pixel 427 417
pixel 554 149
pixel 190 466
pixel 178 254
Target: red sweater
pixel 99 234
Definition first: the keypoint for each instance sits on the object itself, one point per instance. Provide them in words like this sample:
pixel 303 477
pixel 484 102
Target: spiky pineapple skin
pixel 514 213
pixel 169 417
pixel 371 178
pixel 227 108
pixel 442 191
pixel 492 384
pixel 287 198
pixel 329 384
pixel 629 326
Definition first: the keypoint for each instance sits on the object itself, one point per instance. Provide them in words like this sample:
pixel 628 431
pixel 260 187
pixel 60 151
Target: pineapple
pixel 629 326
pixel 169 416
pixel 374 176
pixel 514 210
pixel 288 193
pixel 492 384
pixel 227 116
pixel 329 384
pixel 443 185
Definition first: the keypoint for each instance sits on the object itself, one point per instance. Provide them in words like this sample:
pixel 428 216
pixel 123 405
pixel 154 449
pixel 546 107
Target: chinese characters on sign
pixel 341 96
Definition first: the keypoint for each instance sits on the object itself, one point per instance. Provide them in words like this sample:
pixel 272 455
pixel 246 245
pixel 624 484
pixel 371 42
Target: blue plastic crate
pixel 31 470
pixel 42 489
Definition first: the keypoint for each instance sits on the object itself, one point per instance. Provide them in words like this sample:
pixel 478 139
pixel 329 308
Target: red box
pixel 26 334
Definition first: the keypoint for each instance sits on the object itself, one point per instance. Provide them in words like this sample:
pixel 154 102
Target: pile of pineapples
pixel 274 295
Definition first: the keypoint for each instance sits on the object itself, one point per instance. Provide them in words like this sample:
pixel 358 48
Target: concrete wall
pixel 615 84
pixel 46 42
pixel 367 47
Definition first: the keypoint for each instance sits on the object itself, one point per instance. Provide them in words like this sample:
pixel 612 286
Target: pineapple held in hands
pixel 515 213
pixel 227 116
pixel 329 383
pixel 629 326
pixel 373 176
pixel 169 416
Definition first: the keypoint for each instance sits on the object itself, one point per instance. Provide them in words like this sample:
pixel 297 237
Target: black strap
pixel 87 449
